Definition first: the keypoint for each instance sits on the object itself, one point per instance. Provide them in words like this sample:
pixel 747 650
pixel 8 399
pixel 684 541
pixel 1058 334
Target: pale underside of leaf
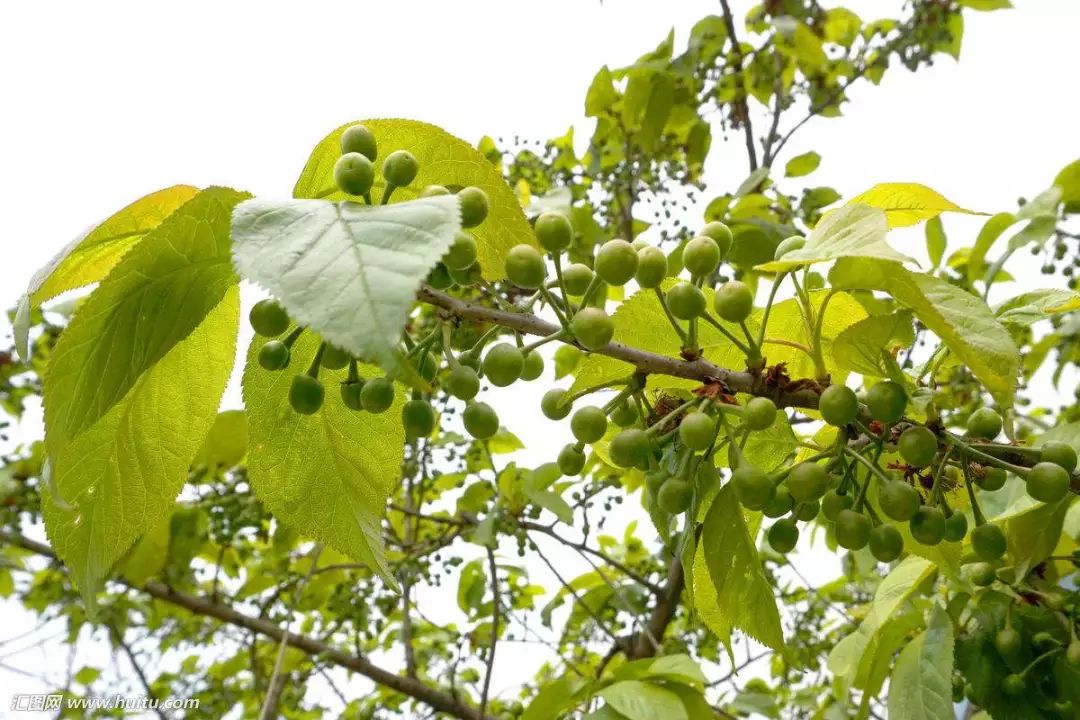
pixel 348 271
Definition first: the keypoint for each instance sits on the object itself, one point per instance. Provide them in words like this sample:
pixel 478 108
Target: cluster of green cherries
pixel 830 484
pixel 354 173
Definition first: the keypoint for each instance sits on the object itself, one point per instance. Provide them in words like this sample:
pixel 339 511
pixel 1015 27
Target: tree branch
pixel 662 613
pixel 118 638
pixel 430 696
pixel 496 607
pixel 741 105
pixel 804 394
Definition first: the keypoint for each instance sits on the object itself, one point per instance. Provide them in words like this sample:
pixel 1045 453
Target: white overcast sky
pixel 103 102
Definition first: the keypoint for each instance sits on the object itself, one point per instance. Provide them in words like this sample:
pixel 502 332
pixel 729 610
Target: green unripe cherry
pixel 886 401
pixel 553 231
pixel 918 446
pixel 981 574
pixel 534 366
pixel 899 501
pixel 462 252
pixel 418 419
pixel 268 318
pixel 984 423
pixel 571 460
pixel 686 301
pixel 753 487
pixel 334 358
pixel 1047 482
pixel 474 206
pixel 652 267
pixel 993 478
pixel 838 405
pixel 466 277
pixel 434 191
pixel 886 543
pixel 807 482
pixel 852 530
pixel 625 414
pixel 697 430
pixel 721 234
pixel 783 536
pixel 480 420
pixel 588 424
pixel 306 394
pixel 358 139
pixel 629 448
pixel 956 527
pixel 551 404
pixel 439 277
pixel 834 502
pixel 503 364
pixel 1013 685
pixel 400 168
pixel 781 504
pixel 701 256
pixel 350 394
pixel 274 355
pixel 427 365
pixel 377 395
pixel 354 174
pixel 592 328
pixel 1072 654
pixel 616 262
pixel 1059 453
pixel 927 525
pixel 989 543
pixel 525 267
pixel 793 243
pixel 759 413
pixel 675 495
pixel 807 511
pixel 577 277
pixel 462 382
pixel 1008 642
pixel 733 301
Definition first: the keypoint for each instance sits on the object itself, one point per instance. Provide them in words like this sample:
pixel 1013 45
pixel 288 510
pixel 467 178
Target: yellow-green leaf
pixel 444 160
pixel 90 257
pixel 908 203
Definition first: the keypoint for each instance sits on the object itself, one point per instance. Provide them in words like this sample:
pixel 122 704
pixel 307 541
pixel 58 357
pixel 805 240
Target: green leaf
pixel 1068 181
pixel 801 165
pixel 991 231
pixel 986 5
pixel 91 256
pixel 444 160
pixel 962 321
pixel 149 554
pixel 554 699
pixel 935 240
pixel 86 675
pixel 744 596
pixel 1033 535
pixel 921 684
pixel 601 94
pixel 1043 205
pixel 640 322
pixel 1036 232
pixel 348 271
pixel 322 474
pixel 955 26
pixel 639 700
pixel 786 323
pixel 567 359
pixel 119 478
pixel 908 203
pixel 226 443
pixel 154 298
pixel 851 231
pixel 859 347
pixel 1031 307
pixel 678 668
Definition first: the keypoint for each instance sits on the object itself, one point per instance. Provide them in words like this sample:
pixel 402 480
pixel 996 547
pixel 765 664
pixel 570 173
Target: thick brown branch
pixel 662 613
pixel 805 395
pixel 432 697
